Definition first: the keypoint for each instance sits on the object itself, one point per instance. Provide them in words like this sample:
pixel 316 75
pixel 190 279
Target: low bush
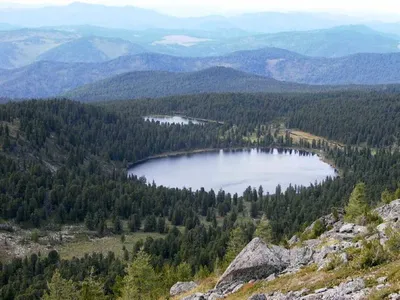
pixel 372 254
pixel 335 261
pixel 393 243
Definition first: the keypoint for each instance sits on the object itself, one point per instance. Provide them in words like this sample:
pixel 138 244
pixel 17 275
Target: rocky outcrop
pixel 354 289
pixel 256 261
pixel 259 261
pixel 182 287
pixel 390 212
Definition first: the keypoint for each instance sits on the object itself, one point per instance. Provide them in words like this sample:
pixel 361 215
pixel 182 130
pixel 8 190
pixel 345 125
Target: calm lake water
pixel 172 120
pixel 234 171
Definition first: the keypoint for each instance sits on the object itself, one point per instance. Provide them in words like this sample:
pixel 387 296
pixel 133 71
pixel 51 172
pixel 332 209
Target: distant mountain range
pixel 333 42
pixel 130 17
pixel 46 78
pixel 90 44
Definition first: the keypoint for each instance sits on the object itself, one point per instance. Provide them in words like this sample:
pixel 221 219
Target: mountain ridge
pixel 47 79
pixel 154 84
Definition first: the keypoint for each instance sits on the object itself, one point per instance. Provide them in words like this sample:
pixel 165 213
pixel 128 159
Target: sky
pixel 203 7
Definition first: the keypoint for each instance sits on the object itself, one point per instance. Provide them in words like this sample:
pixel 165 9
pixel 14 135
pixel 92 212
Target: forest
pixel 63 162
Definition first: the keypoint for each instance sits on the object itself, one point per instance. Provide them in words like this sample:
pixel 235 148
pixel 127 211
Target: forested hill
pixel 45 79
pixel 153 84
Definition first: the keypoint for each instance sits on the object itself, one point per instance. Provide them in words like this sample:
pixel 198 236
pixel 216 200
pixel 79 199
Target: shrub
pixel 387 197
pixel 35 236
pixel 202 273
pixel 334 262
pixel 373 218
pixel 264 230
pixel 372 254
pixel 393 243
pixel 318 229
pixel 352 253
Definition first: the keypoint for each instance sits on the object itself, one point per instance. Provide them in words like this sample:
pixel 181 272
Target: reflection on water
pixel 172 120
pixel 234 171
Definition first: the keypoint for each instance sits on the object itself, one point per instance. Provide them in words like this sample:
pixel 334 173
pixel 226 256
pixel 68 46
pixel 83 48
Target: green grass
pixel 111 243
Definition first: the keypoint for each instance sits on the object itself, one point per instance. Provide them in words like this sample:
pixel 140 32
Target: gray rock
pixel 197 296
pixel 215 296
pixel 237 288
pixel 294 240
pixel 320 291
pixel 270 277
pixel 258 297
pixel 394 296
pixel 229 288
pixel 301 292
pixel 381 228
pixel 380 287
pixel 182 287
pixel 381 280
pixel 256 261
pixel 360 229
pixel 351 286
pixel 300 256
pixel 390 212
pixel 347 228
pixel 313 297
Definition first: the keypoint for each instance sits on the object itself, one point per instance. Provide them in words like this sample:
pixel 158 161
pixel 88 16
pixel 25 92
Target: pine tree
pixel 141 281
pixel 117 225
pixel 264 230
pixel 60 289
pixel 386 197
pixel 91 289
pixel 237 241
pixel 161 225
pixel 183 272
pixel 357 205
pixel 254 210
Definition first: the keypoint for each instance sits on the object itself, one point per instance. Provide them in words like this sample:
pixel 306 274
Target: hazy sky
pixel 200 7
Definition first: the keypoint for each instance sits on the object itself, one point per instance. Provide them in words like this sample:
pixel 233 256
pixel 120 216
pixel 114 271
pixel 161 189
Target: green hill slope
pixel 158 84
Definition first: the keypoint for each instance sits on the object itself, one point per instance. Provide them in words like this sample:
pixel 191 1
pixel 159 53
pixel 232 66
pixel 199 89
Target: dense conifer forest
pixel 63 162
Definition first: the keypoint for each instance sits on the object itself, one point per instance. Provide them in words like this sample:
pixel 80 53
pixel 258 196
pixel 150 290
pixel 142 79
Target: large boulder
pixel 182 287
pixel 256 261
pixel 301 256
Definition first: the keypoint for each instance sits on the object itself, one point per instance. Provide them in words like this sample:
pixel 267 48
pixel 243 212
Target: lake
pixel 234 171
pixel 172 120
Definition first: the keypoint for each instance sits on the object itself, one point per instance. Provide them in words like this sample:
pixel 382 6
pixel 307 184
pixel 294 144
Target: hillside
pixel 91 50
pixel 22 47
pixel 46 79
pixel 153 84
